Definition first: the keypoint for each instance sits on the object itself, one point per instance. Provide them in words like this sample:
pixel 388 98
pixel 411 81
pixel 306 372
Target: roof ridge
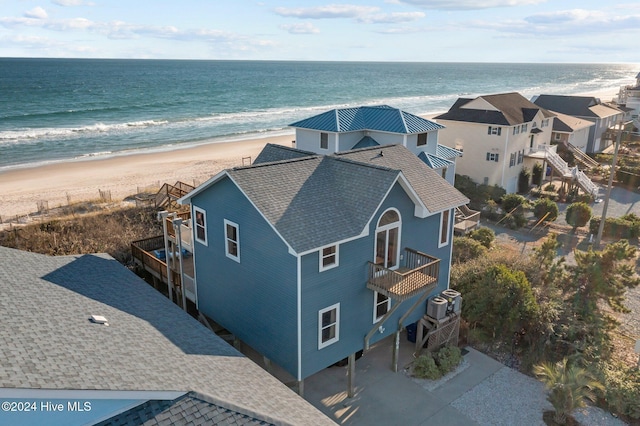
pixel 273 163
pixel 363 164
pixel 366 148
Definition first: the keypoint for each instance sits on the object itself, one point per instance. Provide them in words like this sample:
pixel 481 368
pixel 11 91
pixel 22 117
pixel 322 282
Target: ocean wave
pixel 15 136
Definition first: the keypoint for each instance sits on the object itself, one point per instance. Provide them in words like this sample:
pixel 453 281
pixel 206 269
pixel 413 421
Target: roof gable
pixel 506 109
pixel 272 152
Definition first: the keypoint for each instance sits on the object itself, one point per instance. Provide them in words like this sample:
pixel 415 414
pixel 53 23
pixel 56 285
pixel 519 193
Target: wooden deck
pixel 419 274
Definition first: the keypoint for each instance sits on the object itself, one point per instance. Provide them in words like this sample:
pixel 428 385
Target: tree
pixel 545 208
pixel 523 180
pixel 569 387
pixel 465 248
pixel 511 201
pixel 483 235
pixel 537 174
pixel 578 214
pixel 604 275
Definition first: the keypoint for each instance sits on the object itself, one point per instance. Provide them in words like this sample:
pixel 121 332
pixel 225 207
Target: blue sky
pixel 385 30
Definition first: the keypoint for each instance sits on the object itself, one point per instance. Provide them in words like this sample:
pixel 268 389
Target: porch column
pixel 351 375
pixel 396 349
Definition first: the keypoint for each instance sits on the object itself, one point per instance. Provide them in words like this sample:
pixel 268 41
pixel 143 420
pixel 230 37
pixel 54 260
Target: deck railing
pixel 142 252
pixel 419 273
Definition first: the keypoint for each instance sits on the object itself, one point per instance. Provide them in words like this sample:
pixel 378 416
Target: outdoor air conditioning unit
pixel 454 300
pixel 437 307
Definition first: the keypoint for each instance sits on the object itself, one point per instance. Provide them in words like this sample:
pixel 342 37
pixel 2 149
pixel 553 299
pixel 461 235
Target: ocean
pixel 63 109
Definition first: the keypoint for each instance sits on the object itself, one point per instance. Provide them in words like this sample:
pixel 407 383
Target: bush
pixel 523 180
pixel 627 226
pixel 537 174
pixel 424 367
pixel 483 235
pixel 623 390
pixel 578 214
pixel 478 194
pixel 448 358
pixel 465 248
pixel 511 201
pixel 545 206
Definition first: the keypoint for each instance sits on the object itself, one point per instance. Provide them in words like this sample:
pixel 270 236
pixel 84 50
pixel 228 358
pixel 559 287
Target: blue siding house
pixel 311 258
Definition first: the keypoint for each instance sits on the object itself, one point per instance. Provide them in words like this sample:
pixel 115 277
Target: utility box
pixel 454 300
pixel 437 307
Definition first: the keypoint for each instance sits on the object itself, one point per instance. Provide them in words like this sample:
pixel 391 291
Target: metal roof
pixel 446 152
pixel 434 161
pixel 379 118
pixel 365 142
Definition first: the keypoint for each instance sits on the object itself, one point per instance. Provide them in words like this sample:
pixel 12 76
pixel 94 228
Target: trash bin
pixel 412 330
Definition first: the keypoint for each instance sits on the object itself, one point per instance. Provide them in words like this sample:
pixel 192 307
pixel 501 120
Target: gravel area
pixel 512 398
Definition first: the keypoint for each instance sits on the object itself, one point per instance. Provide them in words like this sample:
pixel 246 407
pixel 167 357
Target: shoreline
pixel 81 179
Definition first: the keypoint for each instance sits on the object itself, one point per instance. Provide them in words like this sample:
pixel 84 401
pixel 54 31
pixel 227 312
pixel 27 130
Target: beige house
pixel 571 131
pixel 499 135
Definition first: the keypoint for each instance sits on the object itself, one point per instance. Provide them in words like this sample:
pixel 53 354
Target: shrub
pixel 623 390
pixel 511 201
pixel 551 187
pixel 478 194
pixel 523 180
pixel 537 174
pixel 545 206
pixel 627 226
pixel 424 367
pixel 448 358
pixel 483 235
pixel 465 248
pixel 578 214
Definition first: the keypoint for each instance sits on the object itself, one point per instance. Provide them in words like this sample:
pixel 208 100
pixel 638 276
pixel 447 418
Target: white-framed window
pixel 494 130
pixel 328 325
pixel 493 156
pixel 422 139
pixel 544 123
pixel 324 140
pixel 512 159
pixel 521 157
pixel 200 225
pixel 557 136
pixel 232 240
pixel 523 128
pixel 516 130
pixel 329 257
pixel 444 228
pixel 381 305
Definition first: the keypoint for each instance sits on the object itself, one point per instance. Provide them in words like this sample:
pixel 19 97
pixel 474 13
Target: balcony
pixel 417 275
pixel 185 229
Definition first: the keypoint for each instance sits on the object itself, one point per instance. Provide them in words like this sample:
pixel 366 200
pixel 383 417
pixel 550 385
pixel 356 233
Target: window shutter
pixel 497 155
pixel 489 132
pixel 499 131
pixel 488 159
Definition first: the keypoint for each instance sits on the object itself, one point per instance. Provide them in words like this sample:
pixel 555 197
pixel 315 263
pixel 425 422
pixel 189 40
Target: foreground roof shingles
pixel 48 342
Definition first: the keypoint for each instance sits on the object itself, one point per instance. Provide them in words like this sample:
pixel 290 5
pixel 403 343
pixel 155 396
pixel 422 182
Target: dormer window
pixel 422 139
pixel 324 141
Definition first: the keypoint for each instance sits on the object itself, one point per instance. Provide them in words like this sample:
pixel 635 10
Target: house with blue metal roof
pixel 344 129
pixel 309 259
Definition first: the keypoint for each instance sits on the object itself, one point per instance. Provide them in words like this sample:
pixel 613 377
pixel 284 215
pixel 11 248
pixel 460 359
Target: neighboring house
pixel 499 135
pixel 310 258
pixel 151 363
pixel 629 96
pixel 589 108
pixel 344 129
pixel 571 131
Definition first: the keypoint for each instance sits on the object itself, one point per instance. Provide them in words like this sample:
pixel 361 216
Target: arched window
pixel 387 250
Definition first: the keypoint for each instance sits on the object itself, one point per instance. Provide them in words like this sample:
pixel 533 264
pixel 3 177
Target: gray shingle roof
pixel 435 192
pixel 48 342
pixel 381 118
pixel 190 409
pixel 578 106
pixel 512 109
pixel 297 197
pixel 272 152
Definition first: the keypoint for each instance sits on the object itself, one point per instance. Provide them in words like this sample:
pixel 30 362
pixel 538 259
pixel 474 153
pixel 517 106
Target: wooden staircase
pixel 581 157
pixel 169 194
pixel 561 167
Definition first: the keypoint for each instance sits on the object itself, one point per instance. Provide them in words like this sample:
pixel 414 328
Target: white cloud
pixel 72 3
pixel 304 28
pixel 391 18
pixel 327 12
pixel 469 4
pixel 36 13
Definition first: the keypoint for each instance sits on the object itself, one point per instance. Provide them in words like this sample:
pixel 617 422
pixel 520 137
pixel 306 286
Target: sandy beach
pixel 21 189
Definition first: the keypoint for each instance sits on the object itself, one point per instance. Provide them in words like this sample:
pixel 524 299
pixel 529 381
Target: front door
pixel 387 240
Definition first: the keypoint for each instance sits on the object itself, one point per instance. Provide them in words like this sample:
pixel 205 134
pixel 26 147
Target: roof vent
pixel 99 319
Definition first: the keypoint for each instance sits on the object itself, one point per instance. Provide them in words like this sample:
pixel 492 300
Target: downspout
pixel 299 313
pixel 504 160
